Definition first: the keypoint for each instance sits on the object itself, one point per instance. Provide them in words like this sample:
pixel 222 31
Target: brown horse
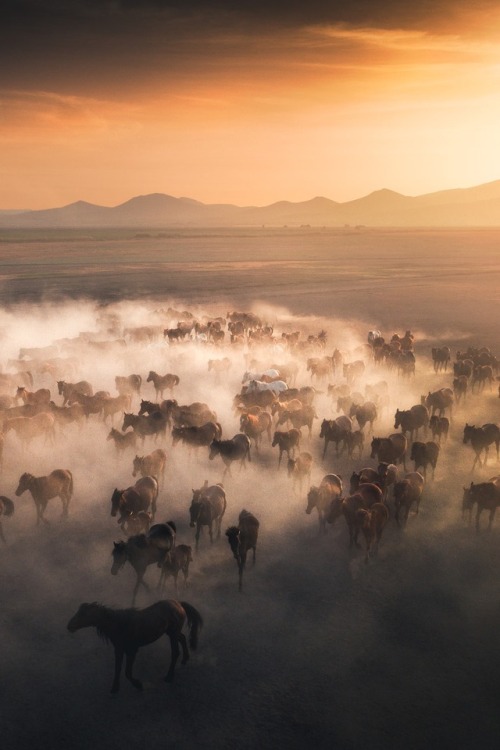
pixel 487 497
pixel 242 539
pixel 372 524
pixel 178 561
pixel 207 507
pixel 151 465
pixel 122 440
pixel 58 483
pixel 322 498
pixel 163 382
pixel 140 497
pixel 286 441
pixel 130 629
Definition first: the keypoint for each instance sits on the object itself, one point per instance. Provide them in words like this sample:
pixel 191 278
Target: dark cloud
pixel 87 44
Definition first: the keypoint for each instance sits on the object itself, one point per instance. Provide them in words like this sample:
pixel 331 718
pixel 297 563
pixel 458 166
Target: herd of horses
pixel 270 411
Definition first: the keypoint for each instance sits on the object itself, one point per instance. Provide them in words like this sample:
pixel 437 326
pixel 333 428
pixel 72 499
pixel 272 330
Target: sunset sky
pixel 245 102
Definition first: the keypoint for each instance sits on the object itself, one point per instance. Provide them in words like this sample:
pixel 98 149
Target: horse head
pixel 312 499
pixel 115 501
pixel 233 536
pixel 87 616
pixel 119 555
pixel 24 484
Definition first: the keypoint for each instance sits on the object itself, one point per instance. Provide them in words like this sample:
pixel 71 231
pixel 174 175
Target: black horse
pixel 129 629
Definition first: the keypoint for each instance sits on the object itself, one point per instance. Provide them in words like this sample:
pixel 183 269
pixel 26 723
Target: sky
pixel 248 102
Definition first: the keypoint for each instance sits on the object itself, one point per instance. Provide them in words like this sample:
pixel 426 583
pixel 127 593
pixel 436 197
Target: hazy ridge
pixel 468 207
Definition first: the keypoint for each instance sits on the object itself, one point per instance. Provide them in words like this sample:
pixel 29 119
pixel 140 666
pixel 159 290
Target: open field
pixel 319 648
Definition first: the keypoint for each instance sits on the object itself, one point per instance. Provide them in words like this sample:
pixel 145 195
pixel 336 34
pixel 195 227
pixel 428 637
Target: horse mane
pixel 172 525
pixel 119 617
pixel 232 531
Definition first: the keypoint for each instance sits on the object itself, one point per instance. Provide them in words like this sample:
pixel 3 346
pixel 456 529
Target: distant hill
pixel 468 207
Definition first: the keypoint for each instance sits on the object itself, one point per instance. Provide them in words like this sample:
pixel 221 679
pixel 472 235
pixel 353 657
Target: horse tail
pixel 8 505
pixel 248 452
pixel 195 623
pixel 30 378
pixel 176 380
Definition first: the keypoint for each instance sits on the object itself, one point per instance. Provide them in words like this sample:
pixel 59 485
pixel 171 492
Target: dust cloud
pixel 319 648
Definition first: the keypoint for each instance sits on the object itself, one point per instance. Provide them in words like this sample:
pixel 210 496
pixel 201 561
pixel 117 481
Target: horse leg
pixel 1 534
pixel 478 513
pixel 492 516
pixel 129 664
pixel 118 668
pixel 184 646
pixel 174 645
pixel 210 532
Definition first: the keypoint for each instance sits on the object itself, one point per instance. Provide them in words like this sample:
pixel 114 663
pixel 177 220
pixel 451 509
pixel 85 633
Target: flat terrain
pixel 319 648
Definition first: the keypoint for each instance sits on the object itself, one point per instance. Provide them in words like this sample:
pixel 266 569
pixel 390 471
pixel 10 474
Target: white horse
pixel 260 376
pixel 277 386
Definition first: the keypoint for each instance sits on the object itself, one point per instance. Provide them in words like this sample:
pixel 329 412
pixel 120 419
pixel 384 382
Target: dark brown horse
pixel 236 449
pixel 144 550
pixel 207 508
pixel 242 539
pixel 487 497
pixel 141 497
pixel 130 629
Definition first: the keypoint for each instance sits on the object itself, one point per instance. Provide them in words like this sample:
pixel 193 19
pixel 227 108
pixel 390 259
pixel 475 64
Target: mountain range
pixel 477 206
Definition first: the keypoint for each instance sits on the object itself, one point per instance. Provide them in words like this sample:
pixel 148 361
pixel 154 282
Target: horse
pixel 439 427
pixel 28 428
pixel 439 401
pixel 162 382
pixel 143 550
pixel 300 468
pixel 208 506
pixel 197 436
pixel 128 384
pixel 406 492
pixel 151 465
pixel 6 510
pixel 59 483
pixel 411 420
pixel 487 497
pixel 298 418
pixel 145 426
pixel 390 450
pixel 286 442
pixel 335 431
pixel 366 495
pixel 322 497
pixel 254 425
pixel 423 454
pixel 242 539
pixel 65 415
pixel 372 522
pixel 41 397
pixel 441 357
pixel 122 440
pixel 142 496
pixel 364 413
pixel 130 629
pixel 235 449
pixel 67 390
pixel 180 558
pixel 481 438
pixel 115 404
